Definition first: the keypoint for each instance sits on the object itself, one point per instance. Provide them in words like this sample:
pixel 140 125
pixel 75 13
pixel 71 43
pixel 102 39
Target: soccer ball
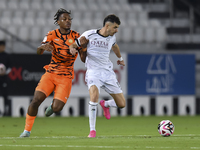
pixel 2 69
pixel 166 128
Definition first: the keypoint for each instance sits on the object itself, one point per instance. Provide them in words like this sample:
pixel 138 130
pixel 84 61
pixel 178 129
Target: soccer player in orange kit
pixel 59 73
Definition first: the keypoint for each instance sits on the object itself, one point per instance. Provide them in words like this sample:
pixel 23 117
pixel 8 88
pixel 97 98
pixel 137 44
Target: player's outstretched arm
pixel 116 50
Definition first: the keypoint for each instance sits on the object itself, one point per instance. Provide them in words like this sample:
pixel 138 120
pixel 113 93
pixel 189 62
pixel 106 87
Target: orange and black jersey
pixel 62 61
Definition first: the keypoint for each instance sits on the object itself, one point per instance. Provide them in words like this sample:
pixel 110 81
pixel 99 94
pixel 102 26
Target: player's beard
pixel 67 28
pixel 112 34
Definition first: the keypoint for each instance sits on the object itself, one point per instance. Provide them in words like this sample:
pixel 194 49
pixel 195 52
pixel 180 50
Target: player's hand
pixel 121 62
pixel 48 47
pixel 73 50
pixel 83 42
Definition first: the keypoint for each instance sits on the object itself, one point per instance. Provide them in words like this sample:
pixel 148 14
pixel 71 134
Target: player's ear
pixel 58 22
pixel 107 24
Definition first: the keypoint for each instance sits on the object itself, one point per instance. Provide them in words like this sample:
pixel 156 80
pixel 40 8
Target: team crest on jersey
pixel 70 41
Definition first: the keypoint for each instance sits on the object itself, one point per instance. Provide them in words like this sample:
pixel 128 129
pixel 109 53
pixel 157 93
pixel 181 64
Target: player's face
pixel 113 28
pixel 65 21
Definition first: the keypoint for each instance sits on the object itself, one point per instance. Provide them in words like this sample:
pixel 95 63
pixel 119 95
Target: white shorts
pixel 105 79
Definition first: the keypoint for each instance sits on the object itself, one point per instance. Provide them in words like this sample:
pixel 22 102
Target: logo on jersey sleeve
pixel 45 39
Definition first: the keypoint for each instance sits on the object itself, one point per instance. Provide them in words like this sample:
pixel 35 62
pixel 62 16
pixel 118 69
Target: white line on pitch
pixel 109 147
pixel 107 136
pixel 1 145
pixel 176 135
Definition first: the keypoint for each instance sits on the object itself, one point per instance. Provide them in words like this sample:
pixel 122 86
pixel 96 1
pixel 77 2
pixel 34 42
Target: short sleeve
pixel 48 37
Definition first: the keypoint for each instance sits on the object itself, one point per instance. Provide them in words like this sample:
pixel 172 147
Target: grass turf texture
pixel 118 133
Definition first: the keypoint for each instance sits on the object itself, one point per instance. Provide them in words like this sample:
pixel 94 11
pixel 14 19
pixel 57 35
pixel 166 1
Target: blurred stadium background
pixel 157 28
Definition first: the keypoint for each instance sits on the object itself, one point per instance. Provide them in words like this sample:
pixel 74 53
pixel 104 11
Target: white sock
pixel 110 103
pixel 92 115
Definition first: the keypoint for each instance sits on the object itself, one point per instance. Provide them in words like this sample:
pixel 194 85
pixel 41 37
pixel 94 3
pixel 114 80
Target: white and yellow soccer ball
pixel 166 128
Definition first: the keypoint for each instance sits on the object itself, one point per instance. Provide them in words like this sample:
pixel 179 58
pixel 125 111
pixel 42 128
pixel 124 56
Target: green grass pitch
pixel 118 133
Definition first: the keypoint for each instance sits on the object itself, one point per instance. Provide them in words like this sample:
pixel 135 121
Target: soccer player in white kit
pixel 100 72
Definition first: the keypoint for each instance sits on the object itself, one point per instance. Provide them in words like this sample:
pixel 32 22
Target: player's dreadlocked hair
pixel 60 12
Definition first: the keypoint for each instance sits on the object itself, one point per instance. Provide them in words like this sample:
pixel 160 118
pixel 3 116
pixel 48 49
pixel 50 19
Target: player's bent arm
pixel 43 47
pixel 116 50
pixel 83 42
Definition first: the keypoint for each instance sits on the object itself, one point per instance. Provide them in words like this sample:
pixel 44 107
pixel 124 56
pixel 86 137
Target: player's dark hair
pixel 112 18
pixel 60 12
pixel 2 42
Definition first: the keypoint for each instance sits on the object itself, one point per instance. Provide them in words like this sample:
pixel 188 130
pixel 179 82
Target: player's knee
pixel 37 99
pixel 57 106
pixel 122 105
pixel 35 103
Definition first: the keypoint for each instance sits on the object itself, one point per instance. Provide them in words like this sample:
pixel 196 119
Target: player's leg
pixel 62 92
pixel 106 107
pixel 55 107
pixel 119 101
pixel 38 98
pixel 43 90
pixel 93 82
pixel 94 96
pixel 112 87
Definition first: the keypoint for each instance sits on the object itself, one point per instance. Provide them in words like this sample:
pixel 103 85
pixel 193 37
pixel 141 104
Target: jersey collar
pixel 101 34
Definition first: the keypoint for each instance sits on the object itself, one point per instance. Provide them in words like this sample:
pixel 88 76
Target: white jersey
pixel 98 50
